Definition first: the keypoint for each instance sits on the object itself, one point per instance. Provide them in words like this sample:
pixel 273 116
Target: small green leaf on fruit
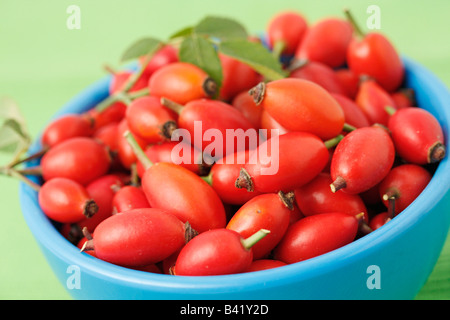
pixel 202 53
pixel 221 28
pixel 182 33
pixel 255 55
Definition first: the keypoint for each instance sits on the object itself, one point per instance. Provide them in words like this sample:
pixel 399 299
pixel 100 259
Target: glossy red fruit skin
pixel 237 77
pixel 376 57
pixel 66 127
pixel 223 176
pixel 363 158
pixel 315 235
pixel 349 81
pixel 214 252
pixel 404 98
pixel 166 55
pixel 265 264
pixel 113 114
pixel 64 200
pixel 102 191
pixel 352 112
pixel 415 132
pixel 173 152
pixel 220 117
pixel 108 135
pixel 65 159
pixel 129 198
pixel 301 105
pixel 321 74
pixel 265 211
pixel 373 100
pixel 404 182
pixel 289 27
pixel 138 237
pixel 245 104
pixel 185 194
pixel 146 117
pixel 179 81
pixel 316 197
pixel 326 42
pixel 296 167
pixel 379 220
pixel 271 126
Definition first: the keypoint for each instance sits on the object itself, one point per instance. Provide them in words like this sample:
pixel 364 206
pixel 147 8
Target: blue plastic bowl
pixel 393 262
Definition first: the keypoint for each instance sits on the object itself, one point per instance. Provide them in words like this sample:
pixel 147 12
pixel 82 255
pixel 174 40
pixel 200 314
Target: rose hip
pixel 316 235
pixel 291 167
pixel 316 197
pixel 403 184
pixel 301 105
pixel 181 82
pixel 268 211
pixel 146 117
pixel 129 198
pixel 65 200
pixel 285 32
pixel 65 159
pixel 137 237
pixel 66 127
pixel 418 137
pixel 217 252
pixel 362 159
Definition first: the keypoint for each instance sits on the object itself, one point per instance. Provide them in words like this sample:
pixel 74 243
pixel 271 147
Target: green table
pixel 43 63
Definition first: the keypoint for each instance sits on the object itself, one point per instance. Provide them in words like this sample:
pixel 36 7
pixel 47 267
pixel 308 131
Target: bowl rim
pixel 49 237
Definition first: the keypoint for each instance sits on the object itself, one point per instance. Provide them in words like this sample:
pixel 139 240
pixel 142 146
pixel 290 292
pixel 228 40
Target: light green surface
pixel 43 64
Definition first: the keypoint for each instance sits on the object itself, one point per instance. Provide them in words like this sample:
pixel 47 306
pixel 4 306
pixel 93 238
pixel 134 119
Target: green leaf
pixel 255 55
pixel 10 110
pixel 140 48
pixel 202 53
pixel 12 138
pixel 221 28
pixel 182 33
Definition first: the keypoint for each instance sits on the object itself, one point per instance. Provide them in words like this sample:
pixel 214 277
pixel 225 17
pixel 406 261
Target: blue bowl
pixel 393 262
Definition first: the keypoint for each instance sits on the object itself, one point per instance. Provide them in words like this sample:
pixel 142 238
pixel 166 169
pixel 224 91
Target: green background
pixel 43 64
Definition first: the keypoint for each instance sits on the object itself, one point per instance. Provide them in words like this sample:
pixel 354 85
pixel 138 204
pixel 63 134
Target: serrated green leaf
pixel 255 55
pixel 202 53
pixel 141 47
pixel 221 28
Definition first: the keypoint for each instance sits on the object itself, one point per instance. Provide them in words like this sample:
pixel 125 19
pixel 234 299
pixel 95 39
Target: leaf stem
pixel 140 154
pixel 353 22
pixel 254 238
pixel 333 141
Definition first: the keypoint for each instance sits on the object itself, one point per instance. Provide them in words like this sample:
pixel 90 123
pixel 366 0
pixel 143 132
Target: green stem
pixel 333 141
pixel 348 127
pixel 254 238
pixel 278 48
pixel 138 94
pixel 140 154
pixel 14 174
pixel 129 83
pixel 390 110
pixel 172 105
pixel 29 158
pixel 355 25
pixel 207 179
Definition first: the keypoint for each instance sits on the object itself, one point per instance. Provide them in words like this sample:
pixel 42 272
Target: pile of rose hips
pixel 353 151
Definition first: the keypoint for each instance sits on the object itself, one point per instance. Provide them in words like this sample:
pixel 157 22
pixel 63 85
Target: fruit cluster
pixel 352 150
